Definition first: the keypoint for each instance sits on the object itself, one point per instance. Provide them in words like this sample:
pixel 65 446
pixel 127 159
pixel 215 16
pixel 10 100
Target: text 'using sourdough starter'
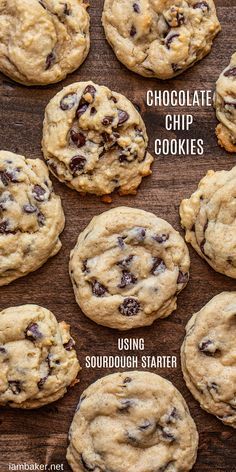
pixel 179 121
pixel 130 361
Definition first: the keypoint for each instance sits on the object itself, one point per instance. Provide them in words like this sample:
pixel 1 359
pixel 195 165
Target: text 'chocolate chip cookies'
pixel 208 357
pixel 160 38
pixel 225 104
pixel 209 218
pixel 132 422
pixel 42 41
pixel 37 357
pixel 94 140
pixel 31 216
pixel 128 267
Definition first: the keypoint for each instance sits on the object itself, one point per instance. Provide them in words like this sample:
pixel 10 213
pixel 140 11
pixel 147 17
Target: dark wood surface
pixel 41 436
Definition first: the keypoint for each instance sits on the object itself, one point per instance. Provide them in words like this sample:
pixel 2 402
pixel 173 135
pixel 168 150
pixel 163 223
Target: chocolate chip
pixel 161 238
pixel 208 347
pixel 182 277
pixel 86 465
pixel 145 425
pixel 127 279
pixel 77 164
pixel 180 19
pixel 125 405
pixel 125 262
pixel 68 101
pixel 202 244
pixel 41 218
pixel 77 138
pixel 136 8
pixel 66 10
pixel 38 193
pixel 82 398
pixel 90 89
pixel 176 67
pixel 133 31
pixel 173 415
pixel 93 111
pixel 32 332
pixel 230 72
pixel 129 307
pixel 107 120
pixel 170 39
pixel 213 386
pixel 202 5
pixel 11 175
pixel 3 350
pixel 15 386
pixel 50 59
pixel 69 345
pixel 42 382
pixel 85 266
pixel 28 208
pixel 4 178
pixel 158 266
pixel 5 227
pixel 121 242
pixel 167 435
pixel 127 380
pixel 123 116
pixel 81 109
pixel 98 289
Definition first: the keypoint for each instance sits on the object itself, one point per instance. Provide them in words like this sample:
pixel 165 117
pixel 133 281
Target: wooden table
pixel 41 436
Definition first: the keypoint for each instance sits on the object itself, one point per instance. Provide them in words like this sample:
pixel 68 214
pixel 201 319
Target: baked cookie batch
pixel 128 265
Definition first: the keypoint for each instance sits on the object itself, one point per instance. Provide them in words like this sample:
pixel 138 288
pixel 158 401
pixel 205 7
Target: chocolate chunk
pixel 85 266
pixel 121 242
pixel 81 109
pixel 4 178
pixel 3 350
pixel 123 116
pixel 136 8
pixel 77 138
pixel 90 89
pixel 32 332
pixel 107 120
pixel 50 60
pixel 93 111
pixel 68 101
pixel 125 262
pixel 158 266
pixel 86 465
pixel 127 380
pixel 180 19
pixel 202 5
pixel 127 279
pixel 38 193
pixel 230 72
pixel 11 175
pixel 98 289
pixel 170 39
pixel 145 425
pixel 133 31
pixel 125 405
pixel 161 238
pixel 167 435
pixel 5 227
pixel 182 277
pixel 42 382
pixel 15 386
pixel 173 415
pixel 69 345
pixel 129 307
pixel 41 218
pixel 77 164
pixel 213 386
pixel 207 346
pixel 28 208
pixel 66 10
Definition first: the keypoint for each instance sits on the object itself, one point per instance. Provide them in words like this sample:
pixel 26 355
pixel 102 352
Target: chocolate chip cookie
pixel 209 218
pixel 37 357
pixel 41 41
pixel 208 357
pixel 95 140
pixel 128 267
pixel 225 105
pixel 162 38
pixel 152 429
pixel 31 216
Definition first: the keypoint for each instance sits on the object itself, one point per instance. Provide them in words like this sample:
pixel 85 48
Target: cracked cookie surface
pixel 31 216
pixel 208 357
pixel 128 267
pixel 160 38
pixel 95 140
pixel 225 105
pixel 152 429
pixel 37 357
pixel 41 41
pixel 209 219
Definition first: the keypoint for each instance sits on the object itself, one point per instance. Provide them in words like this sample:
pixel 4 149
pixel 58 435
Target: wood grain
pixel 41 436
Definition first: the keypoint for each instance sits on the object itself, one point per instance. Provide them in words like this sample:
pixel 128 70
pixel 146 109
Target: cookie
pixel 160 39
pixel 127 268
pixel 31 216
pixel 209 219
pixel 95 140
pixel 208 357
pixel 41 41
pixel 37 357
pixel 152 429
pixel 225 105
